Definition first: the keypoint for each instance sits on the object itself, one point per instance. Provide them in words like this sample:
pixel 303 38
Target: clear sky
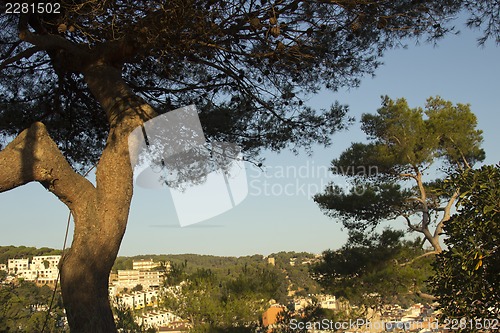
pixel 269 220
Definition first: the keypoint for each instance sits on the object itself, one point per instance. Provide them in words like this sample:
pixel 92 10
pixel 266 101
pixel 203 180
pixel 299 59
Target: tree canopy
pixel 24 307
pixel 467 279
pixel 403 144
pixel 19 252
pixel 245 64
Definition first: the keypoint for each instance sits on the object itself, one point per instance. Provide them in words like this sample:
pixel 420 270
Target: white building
pixel 157 319
pixel 27 275
pixel 45 262
pixel 176 327
pixel 130 278
pixel 3 267
pixel 127 278
pixel 327 302
pixel 150 279
pixel 139 299
pixel 144 264
pixel 42 269
pixel 47 276
pixel 16 266
pixel 112 291
pixel 300 303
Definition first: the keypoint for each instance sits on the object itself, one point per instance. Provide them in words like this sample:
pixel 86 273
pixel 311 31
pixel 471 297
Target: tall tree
pixel 388 171
pixel 467 279
pixel 77 77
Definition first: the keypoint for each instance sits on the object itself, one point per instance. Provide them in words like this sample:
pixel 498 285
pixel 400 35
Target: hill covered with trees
pixel 293 267
pixel 18 252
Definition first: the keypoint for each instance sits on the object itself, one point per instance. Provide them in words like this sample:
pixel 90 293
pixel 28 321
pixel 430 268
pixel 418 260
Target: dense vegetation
pixel 297 275
pixel 24 308
pixel 376 270
pixel 185 264
pixel 467 280
pixel 214 301
pixel 19 252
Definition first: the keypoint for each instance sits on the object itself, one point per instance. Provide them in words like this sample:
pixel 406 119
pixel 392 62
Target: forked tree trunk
pixel 100 212
pixel 100 223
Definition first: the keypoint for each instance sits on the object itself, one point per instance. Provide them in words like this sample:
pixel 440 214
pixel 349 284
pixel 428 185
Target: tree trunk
pixel 100 226
pixel 100 212
pixel 84 284
pixel 85 272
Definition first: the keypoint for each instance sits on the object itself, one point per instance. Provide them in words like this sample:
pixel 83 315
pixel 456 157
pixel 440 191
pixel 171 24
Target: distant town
pixel 142 288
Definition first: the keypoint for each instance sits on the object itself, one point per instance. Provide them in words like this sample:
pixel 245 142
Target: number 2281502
pixel 32 8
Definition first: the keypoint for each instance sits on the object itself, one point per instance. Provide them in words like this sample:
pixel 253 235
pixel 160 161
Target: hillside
pixel 19 252
pixel 292 266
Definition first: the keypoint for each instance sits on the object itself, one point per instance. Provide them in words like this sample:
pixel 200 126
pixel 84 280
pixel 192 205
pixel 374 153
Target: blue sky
pixel 457 70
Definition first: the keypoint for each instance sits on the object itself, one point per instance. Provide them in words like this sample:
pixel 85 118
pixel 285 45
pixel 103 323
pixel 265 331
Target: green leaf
pixel 488 209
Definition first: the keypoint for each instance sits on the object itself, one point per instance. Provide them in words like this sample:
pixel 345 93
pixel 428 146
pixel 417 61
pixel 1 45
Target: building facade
pixel 43 270
pixel 130 278
pixel 16 266
pixel 144 264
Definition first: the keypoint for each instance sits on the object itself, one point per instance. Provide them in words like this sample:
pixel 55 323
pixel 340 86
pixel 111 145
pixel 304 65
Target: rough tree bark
pixel 100 212
pixel 99 231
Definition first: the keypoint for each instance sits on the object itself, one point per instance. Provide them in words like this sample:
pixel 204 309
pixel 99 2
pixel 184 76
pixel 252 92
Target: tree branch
pixel 22 55
pixel 50 42
pixel 415 199
pixel 410 225
pixel 408 175
pixel 447 213
pixel 63 53
pixel 426 296
pixel 33 157
pixel 114 175
pixel 423 200
pixel 419 257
